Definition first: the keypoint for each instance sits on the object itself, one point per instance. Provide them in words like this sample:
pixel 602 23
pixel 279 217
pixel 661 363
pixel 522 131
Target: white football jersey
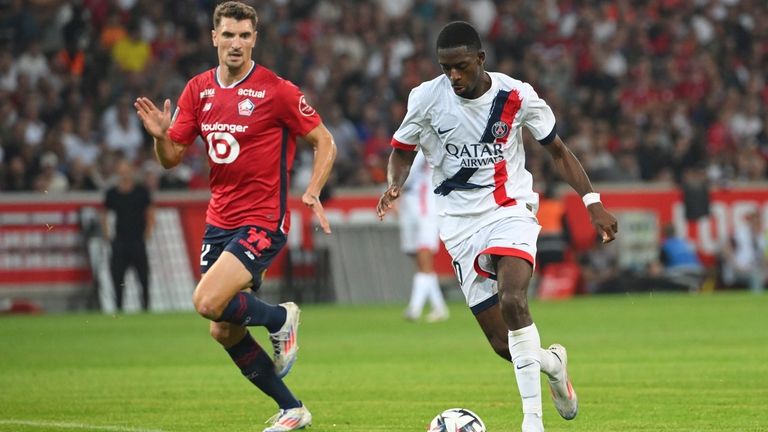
pixel 476 149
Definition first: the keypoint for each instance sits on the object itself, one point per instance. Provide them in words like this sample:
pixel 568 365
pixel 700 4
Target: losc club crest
pixel 500 129
pixel 245 107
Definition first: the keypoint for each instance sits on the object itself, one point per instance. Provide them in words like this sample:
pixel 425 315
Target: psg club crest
pixel 245 107
pixel 500 129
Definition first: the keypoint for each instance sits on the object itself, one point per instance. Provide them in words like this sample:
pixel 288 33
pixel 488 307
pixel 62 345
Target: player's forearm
pixel 168 153
pixel 572 172
pixel 399 166
pixel 569 168
pixel 325 155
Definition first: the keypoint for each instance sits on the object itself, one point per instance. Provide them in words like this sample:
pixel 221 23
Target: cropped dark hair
pixel 458 34
pixel 233 9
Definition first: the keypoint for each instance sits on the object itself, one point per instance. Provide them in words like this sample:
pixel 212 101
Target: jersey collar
pixel 234 84
pixel 489 94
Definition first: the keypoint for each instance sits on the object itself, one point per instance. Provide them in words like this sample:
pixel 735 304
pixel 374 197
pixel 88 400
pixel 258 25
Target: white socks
pixel 435 295
pixel 525 349
pixel 425 286
pixel 419 293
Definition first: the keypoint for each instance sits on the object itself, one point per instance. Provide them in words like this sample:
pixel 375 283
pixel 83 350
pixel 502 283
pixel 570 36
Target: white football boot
pixel 410 316
pixel 290 419
pixel 285 342
pixel 563 394
pixel 438 315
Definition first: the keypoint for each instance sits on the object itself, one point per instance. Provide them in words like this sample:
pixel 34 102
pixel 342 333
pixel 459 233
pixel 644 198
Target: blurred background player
pixel 420 239
pixel 468 123
pixel 131 203
pixel 249 118
pixel 744 255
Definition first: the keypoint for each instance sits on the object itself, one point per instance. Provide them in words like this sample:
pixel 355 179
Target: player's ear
pixel 213 38
pixel 481 57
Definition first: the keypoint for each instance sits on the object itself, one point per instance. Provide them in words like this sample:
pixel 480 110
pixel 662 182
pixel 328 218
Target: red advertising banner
pixel 40 239
pixel 41 243
pixel 727 209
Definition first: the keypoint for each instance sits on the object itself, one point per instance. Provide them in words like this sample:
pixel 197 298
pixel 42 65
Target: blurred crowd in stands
pixel 644 90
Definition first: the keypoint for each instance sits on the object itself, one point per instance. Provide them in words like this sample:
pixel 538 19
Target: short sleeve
pixel 184 129
pixel 297 114
pixel 539 118
pixel 407 136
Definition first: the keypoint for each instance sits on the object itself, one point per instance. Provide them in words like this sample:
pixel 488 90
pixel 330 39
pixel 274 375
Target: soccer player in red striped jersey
pixel 468 123
pixel 249 119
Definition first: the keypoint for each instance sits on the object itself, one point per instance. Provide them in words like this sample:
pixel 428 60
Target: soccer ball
pixel 456 420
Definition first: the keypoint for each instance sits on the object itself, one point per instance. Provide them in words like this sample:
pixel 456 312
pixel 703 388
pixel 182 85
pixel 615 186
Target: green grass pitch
pixel 638 362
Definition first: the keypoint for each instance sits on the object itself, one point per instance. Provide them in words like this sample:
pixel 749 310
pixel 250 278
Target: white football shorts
pixel 514 236
pixel 419 227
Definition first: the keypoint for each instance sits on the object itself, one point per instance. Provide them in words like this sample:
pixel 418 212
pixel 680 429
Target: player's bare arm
pixel 157 122
pixel 325 153
pixel 399 166
pixel 570 169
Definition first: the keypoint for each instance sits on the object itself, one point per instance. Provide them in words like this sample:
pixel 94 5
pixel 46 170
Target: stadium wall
pixel 44 253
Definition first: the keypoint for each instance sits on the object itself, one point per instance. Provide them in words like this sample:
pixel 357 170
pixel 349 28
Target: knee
pixel 514 298
pixel 206 305
pixel 514 308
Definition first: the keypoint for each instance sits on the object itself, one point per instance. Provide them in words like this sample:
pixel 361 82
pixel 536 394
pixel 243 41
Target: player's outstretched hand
pixel 604 222
pixel 313 202
pixel 156 122
pixel 387 198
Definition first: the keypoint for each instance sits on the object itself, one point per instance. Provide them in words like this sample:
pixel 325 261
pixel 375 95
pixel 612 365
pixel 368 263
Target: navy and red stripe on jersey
pixel 250 130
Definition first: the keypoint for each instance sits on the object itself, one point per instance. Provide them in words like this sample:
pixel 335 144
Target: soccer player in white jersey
pixel 420 239
pixel 468 123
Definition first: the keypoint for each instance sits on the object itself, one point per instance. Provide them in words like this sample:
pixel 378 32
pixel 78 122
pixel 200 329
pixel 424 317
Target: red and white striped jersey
pixel 476 149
